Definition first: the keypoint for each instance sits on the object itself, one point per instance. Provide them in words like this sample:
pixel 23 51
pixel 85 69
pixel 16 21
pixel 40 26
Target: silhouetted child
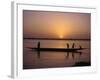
pixel 80 47
pixel 67 45
pixel 73 45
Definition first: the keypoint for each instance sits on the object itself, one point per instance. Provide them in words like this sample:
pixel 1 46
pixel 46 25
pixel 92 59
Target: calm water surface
pixel 47 59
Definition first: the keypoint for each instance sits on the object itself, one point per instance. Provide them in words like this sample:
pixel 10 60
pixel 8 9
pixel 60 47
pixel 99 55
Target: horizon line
pixel 56 39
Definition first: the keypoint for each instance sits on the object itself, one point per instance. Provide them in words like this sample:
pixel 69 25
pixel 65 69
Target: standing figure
pixel 67 45
pixel 38 52
pixel 73 45
pixel 80 47
pixel 38 45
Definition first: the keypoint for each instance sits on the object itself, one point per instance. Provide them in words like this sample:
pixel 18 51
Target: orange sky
pixel 46 24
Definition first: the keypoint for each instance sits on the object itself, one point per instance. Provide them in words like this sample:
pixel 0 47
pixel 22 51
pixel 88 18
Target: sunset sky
pixel 48 24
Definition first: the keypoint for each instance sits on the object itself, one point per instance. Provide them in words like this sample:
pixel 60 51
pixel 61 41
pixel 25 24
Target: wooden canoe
pixel 58 49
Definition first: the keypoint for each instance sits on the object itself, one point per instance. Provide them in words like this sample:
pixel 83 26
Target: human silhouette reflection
pixel 80 53
pixel 38 52
pixel 67 55
pixel 73 54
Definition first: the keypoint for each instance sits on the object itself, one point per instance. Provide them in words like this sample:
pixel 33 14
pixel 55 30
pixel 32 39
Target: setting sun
pixel 61 36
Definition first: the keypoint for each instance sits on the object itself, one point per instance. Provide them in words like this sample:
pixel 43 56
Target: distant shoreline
pixel 54 39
